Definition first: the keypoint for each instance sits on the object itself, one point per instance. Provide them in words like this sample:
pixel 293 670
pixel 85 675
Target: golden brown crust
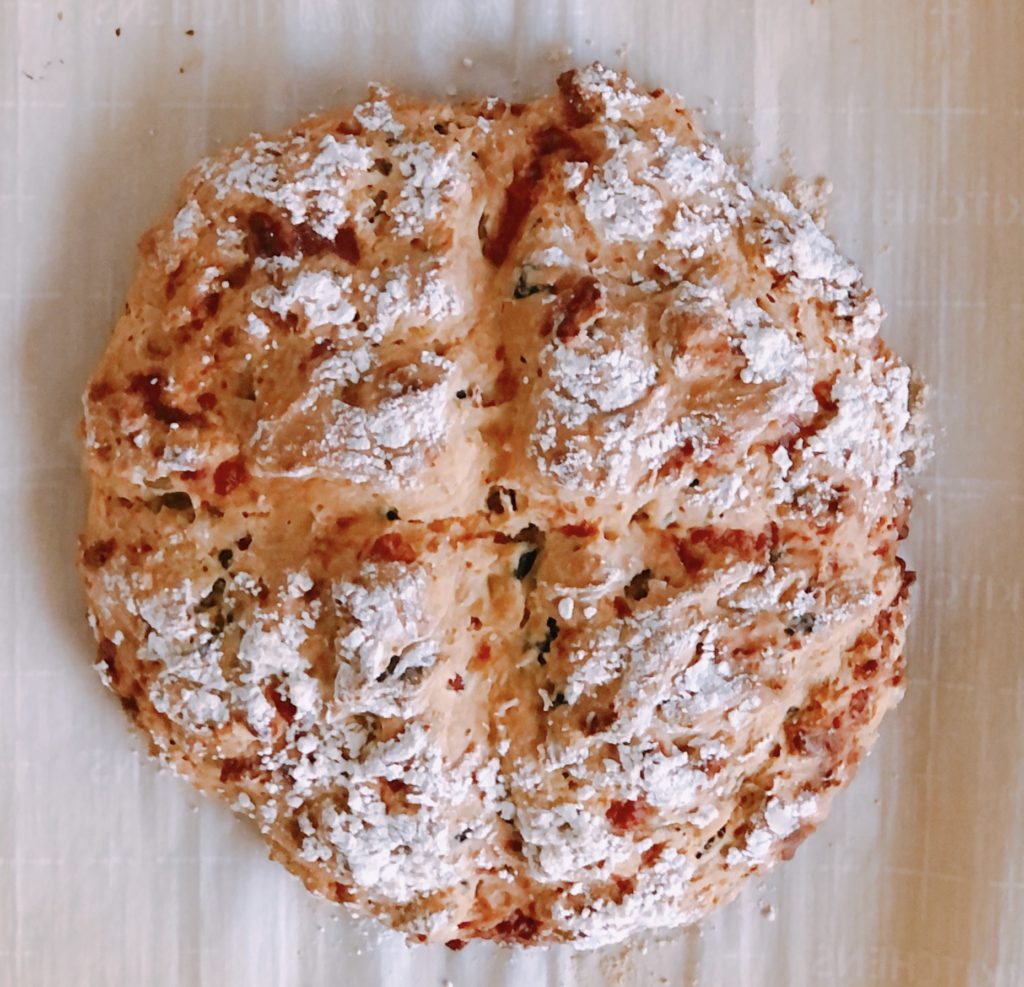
pixel 499 504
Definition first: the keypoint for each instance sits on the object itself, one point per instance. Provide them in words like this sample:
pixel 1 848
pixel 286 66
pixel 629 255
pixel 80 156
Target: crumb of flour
pixel 810 194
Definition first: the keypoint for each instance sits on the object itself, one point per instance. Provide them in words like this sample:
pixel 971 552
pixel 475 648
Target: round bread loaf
pixel 499 504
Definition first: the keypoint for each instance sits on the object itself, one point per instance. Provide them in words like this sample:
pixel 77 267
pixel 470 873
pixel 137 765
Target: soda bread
pixel 499 504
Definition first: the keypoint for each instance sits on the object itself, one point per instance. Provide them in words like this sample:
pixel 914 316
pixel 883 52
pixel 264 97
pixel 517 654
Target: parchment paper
pixel 112 873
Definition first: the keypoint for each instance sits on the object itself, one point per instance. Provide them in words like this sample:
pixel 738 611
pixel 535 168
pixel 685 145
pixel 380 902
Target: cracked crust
pixel 499 504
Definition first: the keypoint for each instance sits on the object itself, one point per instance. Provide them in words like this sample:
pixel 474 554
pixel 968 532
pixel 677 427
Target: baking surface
pixel 113 873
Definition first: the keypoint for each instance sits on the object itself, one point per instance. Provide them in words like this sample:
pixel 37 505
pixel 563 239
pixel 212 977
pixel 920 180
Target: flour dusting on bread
pixel 499 503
